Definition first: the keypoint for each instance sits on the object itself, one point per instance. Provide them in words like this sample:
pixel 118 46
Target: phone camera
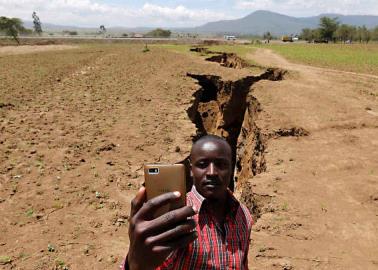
pixel 153 171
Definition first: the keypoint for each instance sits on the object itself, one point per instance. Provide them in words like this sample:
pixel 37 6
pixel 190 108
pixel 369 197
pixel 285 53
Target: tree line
pixel 331 30
pixel 14 26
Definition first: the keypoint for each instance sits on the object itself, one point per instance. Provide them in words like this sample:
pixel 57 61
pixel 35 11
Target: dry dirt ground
pixel 325 185
pixel 77 125
pixel 11 50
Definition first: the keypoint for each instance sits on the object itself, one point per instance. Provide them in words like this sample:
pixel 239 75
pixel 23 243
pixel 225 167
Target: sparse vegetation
pixel 29 213
pixel 12 27
pixel 50 248
pixel 37 23
pixel 5 260
pixel 102 30
pixel 330 29
pixel 146 49
pixel 159 33
pixel 267 36
pixel 285 206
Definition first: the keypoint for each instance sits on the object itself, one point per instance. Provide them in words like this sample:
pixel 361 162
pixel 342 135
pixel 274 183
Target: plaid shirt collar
pixel 198 201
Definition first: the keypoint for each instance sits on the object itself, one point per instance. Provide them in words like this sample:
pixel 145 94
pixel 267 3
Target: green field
pixel 361 58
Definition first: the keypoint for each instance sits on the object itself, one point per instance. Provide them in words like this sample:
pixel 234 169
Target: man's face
pixel 211 168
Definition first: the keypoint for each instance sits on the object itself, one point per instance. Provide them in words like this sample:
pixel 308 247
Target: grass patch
pixel 241 50
pixel 185 49
pixel 5 260
pixel 361 58
pixel 29 213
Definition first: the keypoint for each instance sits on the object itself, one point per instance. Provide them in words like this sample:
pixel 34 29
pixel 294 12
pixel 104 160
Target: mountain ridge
pixel 262 21
pixel 255 23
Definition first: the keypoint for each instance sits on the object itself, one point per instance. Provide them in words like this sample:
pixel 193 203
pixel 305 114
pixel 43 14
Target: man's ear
pixel 190 168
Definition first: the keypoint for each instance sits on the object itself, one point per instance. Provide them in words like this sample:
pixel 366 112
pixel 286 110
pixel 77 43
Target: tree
pixel 316 36
pixel 327 28
pixel 345 32
pixel 12 27
pixel 374 33
pixel 365 34
pixel 267 36
pixel 306 34
pixel 158 32
pixel 102 29
pixel 37 23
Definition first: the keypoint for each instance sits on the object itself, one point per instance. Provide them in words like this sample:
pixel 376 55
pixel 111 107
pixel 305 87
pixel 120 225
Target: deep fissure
pixel 229 60
pixel 228 109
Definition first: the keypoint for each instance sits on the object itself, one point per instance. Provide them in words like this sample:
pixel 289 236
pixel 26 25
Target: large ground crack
pixel 228 109
pixel 229 60
pixel 232 60
pixel 220 107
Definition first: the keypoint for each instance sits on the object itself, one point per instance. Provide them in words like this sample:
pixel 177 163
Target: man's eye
pixel 202 164
pixel 221 164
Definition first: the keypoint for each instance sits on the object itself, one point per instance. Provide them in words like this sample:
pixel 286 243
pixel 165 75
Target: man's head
pixel 211 166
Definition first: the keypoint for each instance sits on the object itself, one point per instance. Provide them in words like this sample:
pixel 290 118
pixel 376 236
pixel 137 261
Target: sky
pixel 179 13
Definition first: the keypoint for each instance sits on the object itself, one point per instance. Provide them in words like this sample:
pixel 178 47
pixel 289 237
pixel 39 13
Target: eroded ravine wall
pixel 228 109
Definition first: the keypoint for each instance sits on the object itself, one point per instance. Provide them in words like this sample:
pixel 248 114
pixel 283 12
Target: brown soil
pixel 77 125
pixel 317 197
pixel 24 49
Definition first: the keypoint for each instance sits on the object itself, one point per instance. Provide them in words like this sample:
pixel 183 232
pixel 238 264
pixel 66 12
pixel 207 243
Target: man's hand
pixel 153 239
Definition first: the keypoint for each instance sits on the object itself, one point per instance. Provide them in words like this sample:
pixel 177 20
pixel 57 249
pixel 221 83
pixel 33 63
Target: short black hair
pixel 210 137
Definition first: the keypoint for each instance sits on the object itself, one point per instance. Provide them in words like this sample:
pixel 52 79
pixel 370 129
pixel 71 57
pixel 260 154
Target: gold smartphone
pixel 163 178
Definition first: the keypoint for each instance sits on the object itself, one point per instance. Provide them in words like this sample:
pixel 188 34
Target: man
pixel 211 232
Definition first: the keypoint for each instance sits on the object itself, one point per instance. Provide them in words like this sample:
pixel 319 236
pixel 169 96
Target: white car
pixel 229 37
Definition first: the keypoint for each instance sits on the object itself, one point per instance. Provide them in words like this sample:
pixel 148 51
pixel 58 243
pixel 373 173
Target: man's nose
pixel 211 170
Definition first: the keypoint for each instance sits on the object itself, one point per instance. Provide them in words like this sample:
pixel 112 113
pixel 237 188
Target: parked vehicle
pixel 320 41
pixel 229 37
pixel 287 38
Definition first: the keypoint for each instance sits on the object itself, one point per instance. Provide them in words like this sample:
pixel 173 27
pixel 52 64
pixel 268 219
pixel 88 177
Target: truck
pixel 287 38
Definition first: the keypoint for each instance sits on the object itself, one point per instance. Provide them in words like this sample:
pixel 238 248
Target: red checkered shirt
pixel 217 247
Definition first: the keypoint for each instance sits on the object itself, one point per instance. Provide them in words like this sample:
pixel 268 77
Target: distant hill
pixel 262 21
pixel 48 27
pixel 255 23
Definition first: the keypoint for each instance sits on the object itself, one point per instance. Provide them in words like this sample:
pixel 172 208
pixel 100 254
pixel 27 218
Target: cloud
pixel 96 12
pixel 301 8
pixel 93 13
pixel 181 13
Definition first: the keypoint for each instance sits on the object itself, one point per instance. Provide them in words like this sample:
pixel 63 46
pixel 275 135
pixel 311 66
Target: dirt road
pixel 323 188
